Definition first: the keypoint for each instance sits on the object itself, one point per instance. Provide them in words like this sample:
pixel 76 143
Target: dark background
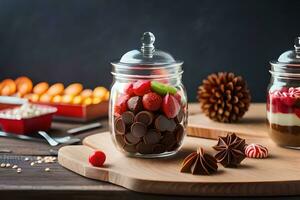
pixel 74 41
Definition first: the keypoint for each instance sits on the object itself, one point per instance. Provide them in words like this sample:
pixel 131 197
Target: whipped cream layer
pixel 283 119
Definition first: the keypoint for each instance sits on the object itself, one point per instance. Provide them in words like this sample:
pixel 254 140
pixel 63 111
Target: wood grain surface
pixel 277 175
pixel 253 124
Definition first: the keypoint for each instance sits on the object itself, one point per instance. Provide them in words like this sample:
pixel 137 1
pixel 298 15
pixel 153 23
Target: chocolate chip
pixel 162 123
pixel 145 117
pixel 120 140
pixel 130 148
pixel 138 129
pixel 120 127
pixel 179 117
pixel 179 132
pixel 153 136
pixel 128 117
pixel 172 125
pixel 131 139
pixel 169 140
pixel 143 148
pixel 135 104
pixel 158 148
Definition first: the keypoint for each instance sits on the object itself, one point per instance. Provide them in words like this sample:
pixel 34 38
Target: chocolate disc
pixel 179 117
pixel 135 104
pixel 158 148
pixel 145 117
pixel 128 117
pixel 153 136
pixel 138 129
pixel 120 127
pixel 130 148
pixel 162 123
pixel 143 148
pixel 131 140
pixel 172 125
pixel 179 132
pixel 169 140
pixel 120 140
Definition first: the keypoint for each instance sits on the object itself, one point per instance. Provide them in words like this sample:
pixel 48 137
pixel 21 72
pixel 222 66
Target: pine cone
pixel 224 97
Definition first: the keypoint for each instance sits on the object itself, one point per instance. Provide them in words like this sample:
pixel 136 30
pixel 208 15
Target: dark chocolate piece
pixel 128 117
pixel 162 123
pixel 199 163
pixel 120 140
pixel 158 148
pixel 230 150
pixel 179 132
pixel 135 104
pixel 120 127
pixel 145 117
pixel 153 136
pixel 138 129
pixel 169 140
pixel 143 148
pixel 130 148
pixel 180 116
pixel 172 125
pixel 131 139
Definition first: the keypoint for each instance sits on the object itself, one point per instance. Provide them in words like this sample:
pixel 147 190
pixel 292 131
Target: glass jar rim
pixel 285 70
pixel 144 71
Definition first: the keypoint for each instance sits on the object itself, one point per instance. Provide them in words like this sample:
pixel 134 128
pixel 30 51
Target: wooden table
pixel 34 182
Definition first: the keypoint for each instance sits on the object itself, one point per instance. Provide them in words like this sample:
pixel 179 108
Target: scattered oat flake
pixel 15 166
pixel 7 165
pixel 47 169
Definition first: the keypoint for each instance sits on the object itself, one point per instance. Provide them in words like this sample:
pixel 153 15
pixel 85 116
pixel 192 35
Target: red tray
pixel 80 113
pixel 27 125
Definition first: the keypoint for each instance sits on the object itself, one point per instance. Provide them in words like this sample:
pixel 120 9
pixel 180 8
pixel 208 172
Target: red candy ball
pixel 97 159
pixel 152 101
pixel 141 87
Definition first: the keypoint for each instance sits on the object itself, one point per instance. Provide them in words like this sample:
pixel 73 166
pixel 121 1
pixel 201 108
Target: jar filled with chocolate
pixel 283 99
pixel 148 103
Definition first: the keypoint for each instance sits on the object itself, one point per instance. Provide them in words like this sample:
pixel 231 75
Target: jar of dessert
pixel 283 99
pixel 148 102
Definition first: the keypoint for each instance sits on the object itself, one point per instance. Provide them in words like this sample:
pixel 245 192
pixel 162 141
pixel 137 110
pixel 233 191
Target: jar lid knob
pixel 148 48
pixel 297 47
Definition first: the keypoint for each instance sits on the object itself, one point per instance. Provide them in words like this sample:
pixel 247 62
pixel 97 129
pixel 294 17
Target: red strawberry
pixel 97 159
pixel 289 101
pixel 152 101
pixel 121 105
pixel 128 89
pixel 297 112
pixel 170 106
pixel 141 87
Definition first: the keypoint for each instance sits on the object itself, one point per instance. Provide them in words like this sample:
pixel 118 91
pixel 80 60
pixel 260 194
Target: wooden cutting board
pixel 253 124
pixel 277 175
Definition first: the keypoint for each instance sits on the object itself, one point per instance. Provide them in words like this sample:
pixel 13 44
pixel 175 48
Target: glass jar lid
pixel 291 56
pixel 146 59
pixel 288 63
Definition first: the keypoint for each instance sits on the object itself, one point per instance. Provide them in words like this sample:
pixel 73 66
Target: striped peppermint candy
pixel 256 151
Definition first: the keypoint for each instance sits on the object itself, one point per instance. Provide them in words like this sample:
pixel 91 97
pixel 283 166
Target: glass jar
pixel 148 102
pixel 283 99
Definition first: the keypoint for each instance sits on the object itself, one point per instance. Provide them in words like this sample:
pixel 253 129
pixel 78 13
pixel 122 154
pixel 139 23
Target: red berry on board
pixel 152 101
pixel 128 89
pixel 141 87
pixel 121 105
pixel 170 106
pixel 97 158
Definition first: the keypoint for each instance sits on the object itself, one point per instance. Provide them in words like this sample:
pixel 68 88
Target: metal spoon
pixel 47 137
